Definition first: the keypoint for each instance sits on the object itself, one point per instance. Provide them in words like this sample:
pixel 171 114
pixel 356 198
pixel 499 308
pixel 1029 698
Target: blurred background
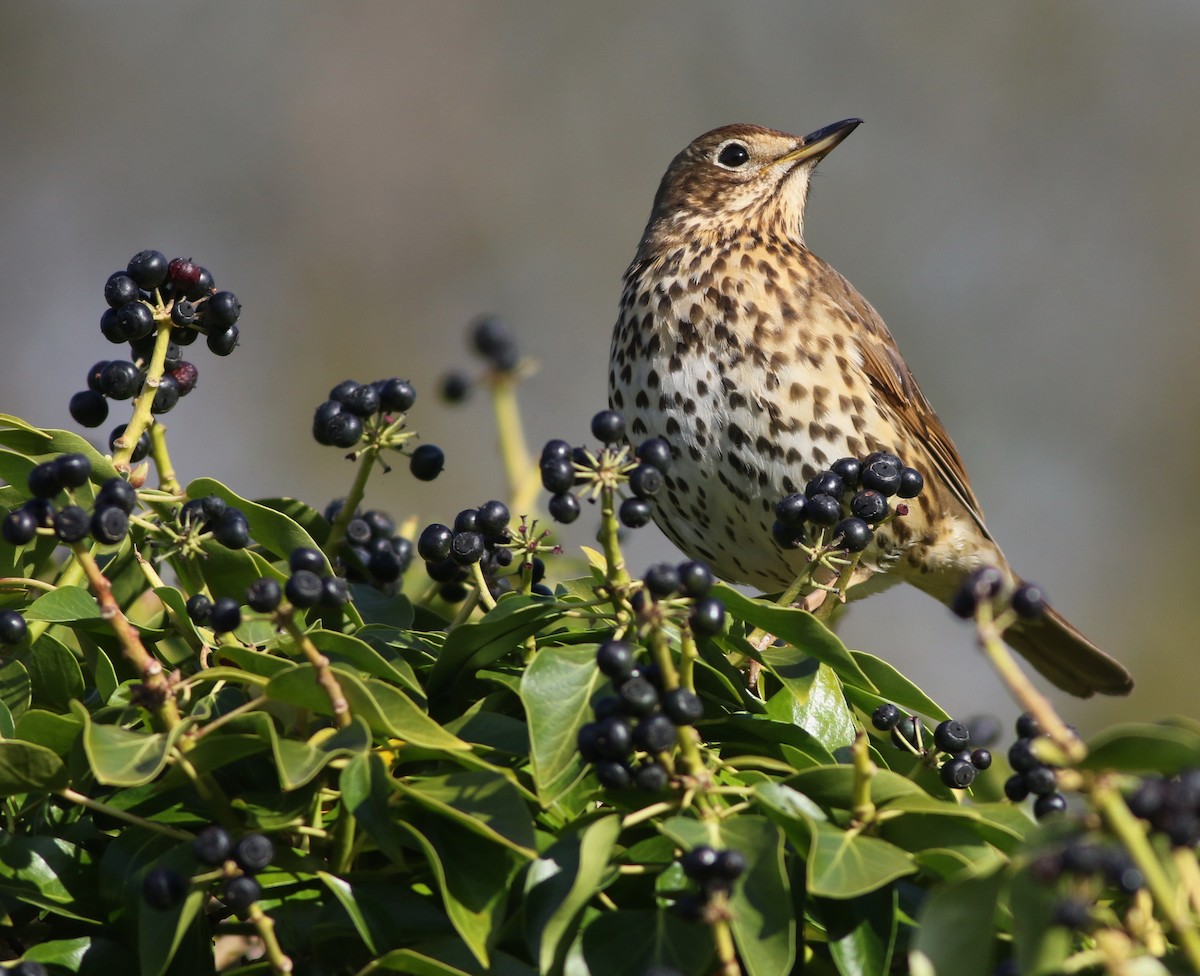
pixel 1022 206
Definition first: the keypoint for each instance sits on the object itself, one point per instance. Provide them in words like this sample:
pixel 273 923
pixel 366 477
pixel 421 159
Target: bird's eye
pixel 733 155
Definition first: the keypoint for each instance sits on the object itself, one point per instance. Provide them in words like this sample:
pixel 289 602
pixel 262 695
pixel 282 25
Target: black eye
pixel 733 154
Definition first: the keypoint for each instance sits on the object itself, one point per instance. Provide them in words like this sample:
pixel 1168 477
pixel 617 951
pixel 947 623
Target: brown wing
pixel 895 384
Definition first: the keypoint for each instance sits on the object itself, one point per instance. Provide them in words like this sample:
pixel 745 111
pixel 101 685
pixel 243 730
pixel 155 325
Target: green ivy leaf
pixel 764 926
pixel 26 767
pixel 894 687
pixel 862 931
pixel 269 527
pixel 47 872
pixel 561 882
pixel 65 605
pixel 555 690
pixel 812 700
pixel 477 644
pixel 54 673
pixel 1041 946
pixel 298 762
pixel 56 732
pixel 41 445
pixel 840 863
pixel 955 929
pixel 122 757
pixel 387 710
pixel 801 630
pixel 629 942
pixel 1143 748
pixel 366 791
pixel 484 803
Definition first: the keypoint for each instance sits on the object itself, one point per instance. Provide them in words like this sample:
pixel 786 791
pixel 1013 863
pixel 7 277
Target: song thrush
pixel 761 365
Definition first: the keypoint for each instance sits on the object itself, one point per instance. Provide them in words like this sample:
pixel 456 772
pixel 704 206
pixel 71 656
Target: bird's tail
pixel 1066 657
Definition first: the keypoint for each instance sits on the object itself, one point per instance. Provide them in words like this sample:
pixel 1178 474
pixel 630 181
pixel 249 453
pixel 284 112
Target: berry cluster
pixel 987 585
pixel 714 873
pixel 1030 775
pixel 107 522
pixel 164 888
pixel 851 499
pixel 1086 869
pixel 493 341
pixel 565 467
pixel 950 738
pixel 371 552
pixel 212 514
pixel 639 717
pixel 479 535
pixel 1171 806
pixel 691 581
pixel 150 294
pixel 308 586
pixel 374 410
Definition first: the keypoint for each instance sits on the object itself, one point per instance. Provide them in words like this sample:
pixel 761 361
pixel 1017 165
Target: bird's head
pixel 742 177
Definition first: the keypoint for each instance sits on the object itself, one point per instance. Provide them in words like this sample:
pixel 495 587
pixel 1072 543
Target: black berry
pixel 467 548
pixel 608 426
pixel 198 608
pixel 654 733
pixel 88 408
pixel 109 525
pixel 651 777
pixel 12 627
pixel 564 507
pixel 225 615
pixel 699 863
pixel 120 380
pixel 662 580
pixel 951 736
pixel 645 481
pixel 707 617
pixel 635 512
pixel 882 474
pixel 823 510
pixel 791 510
pixel 911 483
pixel 682 706
pixel 655 451
pixel 957 774
pixel 232 530
pixel 396 395
pixel 19 526
pixel 221 310
pixel 433 545
pixel 148 269
pixel 163 888
pixel 72 524
pixel 254 852
pixel 224 342
pixel 825 483
pixel 263 595
pixel 1028 601
pixel 72 470
pixel 427 462
pixel 870 506
pixel 885 717
pixel 1046 806
pixel 854 533
pixel 240 893
pixel 212 845
pixel 43 481
pixel 303 589
pixel 614 658
pixel 695 579
pixel 120 289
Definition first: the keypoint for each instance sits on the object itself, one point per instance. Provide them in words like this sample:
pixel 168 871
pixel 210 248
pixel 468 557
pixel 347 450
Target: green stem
pixel 617 575
pixel 286 618
pixel 337 531
pixel 125 444
pixel 1022 689
pixel 86 801
pixel 343 841
pixel 863 809
pixel 281 965
pixel 162 460
pixel 1111 804
pixel 481 586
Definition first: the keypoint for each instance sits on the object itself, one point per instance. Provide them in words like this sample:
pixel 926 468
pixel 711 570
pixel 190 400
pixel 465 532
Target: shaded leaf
pixel 861 932
pixel 54 673
pixel 764 926
pixel 484 803
pixel 387 710
pixel 1143 748
pixel 477 644
pixel 561 882
pixel 298 762
pixel 955 928
pixel 56 732
pixel 47 872
pixel 629 942
pixel 26 767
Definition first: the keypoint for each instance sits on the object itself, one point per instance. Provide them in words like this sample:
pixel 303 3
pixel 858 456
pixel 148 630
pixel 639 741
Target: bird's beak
pixel 817 145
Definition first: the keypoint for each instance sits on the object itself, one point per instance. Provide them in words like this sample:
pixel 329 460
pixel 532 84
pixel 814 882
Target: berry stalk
pixel 617 575
pixel 1022 689
pixel 162 459
pixel 126 443
pixel 325 677
pixel 158 689
pixel 354 497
